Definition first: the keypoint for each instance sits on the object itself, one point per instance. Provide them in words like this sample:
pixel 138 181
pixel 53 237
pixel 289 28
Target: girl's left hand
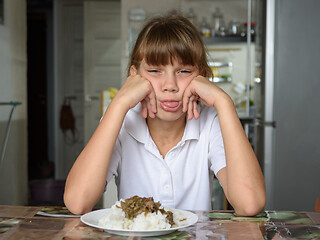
pixel 200 88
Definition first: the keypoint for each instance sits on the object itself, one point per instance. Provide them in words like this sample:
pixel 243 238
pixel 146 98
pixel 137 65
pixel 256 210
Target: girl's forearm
pixel 245 187
pixel 87 178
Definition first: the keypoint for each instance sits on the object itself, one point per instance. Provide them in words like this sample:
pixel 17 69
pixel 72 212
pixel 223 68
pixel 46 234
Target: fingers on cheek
pixel 144 113
pixel 151 114
pixel 190 110
pixel 144 110
pixel 153 105
pixel 185 100
pixel 150 110
pixel 195 110
pixel 184 105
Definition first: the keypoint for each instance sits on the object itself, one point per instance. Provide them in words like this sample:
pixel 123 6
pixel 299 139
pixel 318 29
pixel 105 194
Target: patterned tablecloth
pixel 18 222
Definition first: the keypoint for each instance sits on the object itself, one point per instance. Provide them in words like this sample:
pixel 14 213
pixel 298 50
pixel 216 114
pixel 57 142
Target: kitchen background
pixel 60 53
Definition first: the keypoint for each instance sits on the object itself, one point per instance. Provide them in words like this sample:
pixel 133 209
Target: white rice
pixel 116 219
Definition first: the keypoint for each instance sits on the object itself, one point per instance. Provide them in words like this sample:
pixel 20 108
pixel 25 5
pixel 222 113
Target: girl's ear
pixel 133 70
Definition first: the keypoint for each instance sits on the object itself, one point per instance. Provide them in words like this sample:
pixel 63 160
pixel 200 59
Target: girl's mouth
pixel 170 106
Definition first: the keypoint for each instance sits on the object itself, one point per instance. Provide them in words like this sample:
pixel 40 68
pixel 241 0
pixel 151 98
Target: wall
pixel 13 66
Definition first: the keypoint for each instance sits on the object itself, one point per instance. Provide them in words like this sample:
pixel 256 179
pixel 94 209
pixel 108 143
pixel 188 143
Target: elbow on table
pixel 76 205
pixel 251 208
pixel 248 211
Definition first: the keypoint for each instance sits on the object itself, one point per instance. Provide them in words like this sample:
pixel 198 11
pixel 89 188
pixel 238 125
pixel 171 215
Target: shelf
pixel 220 64
pixel 221 79
pixel 224 78
pixel 227 39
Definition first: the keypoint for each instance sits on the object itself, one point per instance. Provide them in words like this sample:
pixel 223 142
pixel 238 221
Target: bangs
pixel 164 40
pixel 165 44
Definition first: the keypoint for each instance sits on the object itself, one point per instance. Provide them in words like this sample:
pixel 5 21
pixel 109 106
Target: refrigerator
pixel 287 129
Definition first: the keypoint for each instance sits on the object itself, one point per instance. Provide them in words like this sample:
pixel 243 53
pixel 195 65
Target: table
pixel 23 222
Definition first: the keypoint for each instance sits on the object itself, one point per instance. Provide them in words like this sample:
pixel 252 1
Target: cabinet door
pixel 101 57
pixel 101 65
pixel 69 76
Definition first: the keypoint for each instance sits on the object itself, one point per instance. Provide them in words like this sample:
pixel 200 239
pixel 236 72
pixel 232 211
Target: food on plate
pixel 136 205
pixel 139 213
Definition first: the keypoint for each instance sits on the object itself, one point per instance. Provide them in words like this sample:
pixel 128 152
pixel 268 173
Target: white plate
pixel 92 219
pixel 56 215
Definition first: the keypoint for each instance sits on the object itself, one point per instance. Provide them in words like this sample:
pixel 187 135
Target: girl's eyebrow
pixel 148 65
pixel 179 65
pixel 187 66
pixel 152 66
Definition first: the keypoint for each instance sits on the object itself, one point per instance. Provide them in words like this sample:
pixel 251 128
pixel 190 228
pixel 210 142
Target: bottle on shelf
pixel 243 30
pixel 205 28
pixel 234 28
pixel 252 28
pixel 222 32
pixel 217 17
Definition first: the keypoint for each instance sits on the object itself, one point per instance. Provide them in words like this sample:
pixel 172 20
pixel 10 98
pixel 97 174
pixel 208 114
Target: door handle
pixel 89 98
pixel 261 123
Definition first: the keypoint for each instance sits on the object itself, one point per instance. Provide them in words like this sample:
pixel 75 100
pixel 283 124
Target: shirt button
pixel 166 188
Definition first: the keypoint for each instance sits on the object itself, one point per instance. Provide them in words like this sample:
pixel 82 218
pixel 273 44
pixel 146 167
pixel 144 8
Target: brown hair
pixel 165 39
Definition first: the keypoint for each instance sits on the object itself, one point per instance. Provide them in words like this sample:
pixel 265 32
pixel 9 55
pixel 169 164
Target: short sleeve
pixel 114 161
pixel 216 155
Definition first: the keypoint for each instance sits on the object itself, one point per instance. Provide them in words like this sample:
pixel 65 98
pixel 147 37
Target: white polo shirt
pixel 183 179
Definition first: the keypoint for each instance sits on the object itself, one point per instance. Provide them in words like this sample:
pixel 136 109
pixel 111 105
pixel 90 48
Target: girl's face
pixel 169 83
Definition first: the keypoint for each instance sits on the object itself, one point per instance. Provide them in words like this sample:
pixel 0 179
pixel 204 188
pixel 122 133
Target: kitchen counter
pixel 18 222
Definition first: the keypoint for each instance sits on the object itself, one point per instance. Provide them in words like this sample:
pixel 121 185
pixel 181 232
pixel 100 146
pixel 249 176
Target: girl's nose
pixel 170 83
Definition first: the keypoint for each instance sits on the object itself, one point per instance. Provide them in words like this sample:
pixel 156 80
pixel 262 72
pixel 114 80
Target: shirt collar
pixel 192 130
pixel 137 127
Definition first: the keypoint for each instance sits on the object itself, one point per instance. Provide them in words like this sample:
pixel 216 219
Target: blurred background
pixel 62 61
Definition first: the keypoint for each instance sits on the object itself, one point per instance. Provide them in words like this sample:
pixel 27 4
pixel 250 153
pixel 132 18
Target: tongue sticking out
pixel 171 104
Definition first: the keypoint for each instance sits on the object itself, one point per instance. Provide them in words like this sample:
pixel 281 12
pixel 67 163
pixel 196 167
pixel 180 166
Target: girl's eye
pixel 153 71
pixel 184 71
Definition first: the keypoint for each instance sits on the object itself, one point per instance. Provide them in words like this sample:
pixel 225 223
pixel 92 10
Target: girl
pixel 167 131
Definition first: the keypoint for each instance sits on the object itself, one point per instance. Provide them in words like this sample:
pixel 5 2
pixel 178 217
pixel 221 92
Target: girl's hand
pixel 200 88
pixel 138 89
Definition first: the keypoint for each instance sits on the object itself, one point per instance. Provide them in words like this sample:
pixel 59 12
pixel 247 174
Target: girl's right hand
pixel 138 89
